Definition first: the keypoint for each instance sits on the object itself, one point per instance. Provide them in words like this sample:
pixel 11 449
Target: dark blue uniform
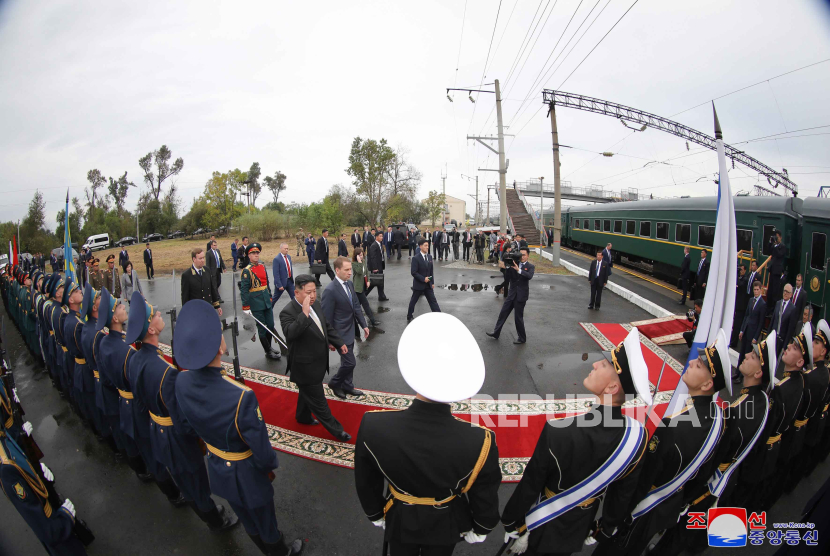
pixel 27 493
pixel 75 361
pixel 112 357
pixel 58 314
pixel 90 343
pixel 226 415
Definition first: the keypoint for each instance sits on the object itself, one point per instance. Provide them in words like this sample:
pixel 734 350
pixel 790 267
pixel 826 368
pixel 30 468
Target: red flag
pixel 14 256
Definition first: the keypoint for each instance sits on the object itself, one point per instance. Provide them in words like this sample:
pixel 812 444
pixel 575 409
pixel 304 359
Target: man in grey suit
pixel 784 318
pixel 341 307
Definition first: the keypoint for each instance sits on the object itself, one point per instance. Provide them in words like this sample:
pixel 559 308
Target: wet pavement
pixel 314 500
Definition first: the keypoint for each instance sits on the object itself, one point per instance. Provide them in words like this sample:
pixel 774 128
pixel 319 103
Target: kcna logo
pixel 727 527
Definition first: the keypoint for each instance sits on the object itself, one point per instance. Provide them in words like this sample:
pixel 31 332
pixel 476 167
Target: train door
pixel 816 272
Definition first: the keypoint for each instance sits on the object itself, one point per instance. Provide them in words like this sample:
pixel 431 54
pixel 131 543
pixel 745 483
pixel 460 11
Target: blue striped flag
pixel 68 261
pixel 719 301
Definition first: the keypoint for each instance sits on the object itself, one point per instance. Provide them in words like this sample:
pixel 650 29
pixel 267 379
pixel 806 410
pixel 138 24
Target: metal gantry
pixel 628 114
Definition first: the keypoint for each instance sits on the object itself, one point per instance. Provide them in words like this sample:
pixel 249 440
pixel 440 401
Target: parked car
pixel 200 231
pixel 98 241
pixel 4 260
pixel 176 234
pixel 152 237
pixel 128 240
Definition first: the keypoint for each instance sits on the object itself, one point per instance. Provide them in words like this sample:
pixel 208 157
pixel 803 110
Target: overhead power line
pixel 487 59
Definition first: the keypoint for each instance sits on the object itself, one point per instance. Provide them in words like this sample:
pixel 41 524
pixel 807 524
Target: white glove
pixel 590 541
pixel 247 312
pixel 70 507
pixel 380 523
pixel 472 538
pixel 47 473
pixel 14 391
pixel 520 546
pixel 511 535
pixel 27 428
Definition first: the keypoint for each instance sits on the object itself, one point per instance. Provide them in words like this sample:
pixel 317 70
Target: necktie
pixel 754 304
pixel 599 267
pixel 348 291
pixel 749 285
pixel 316 320
pixel 288 266
pixel 795 297
pixel 700 266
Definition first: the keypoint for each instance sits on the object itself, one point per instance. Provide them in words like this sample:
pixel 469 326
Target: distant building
pixel 456 209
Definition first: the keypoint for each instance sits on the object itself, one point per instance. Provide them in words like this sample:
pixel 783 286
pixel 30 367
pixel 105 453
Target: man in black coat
pixel 400 240
pixel 197 283
pixel 123 257
pixel 436 244
pixel 423 280
pixel 776 271
pixel 242 253
pixel 743 292
pixel 606 256
pixel 799 296
pixel 753 323
pixel 342 248
pixel 520 276
pixel 684 274
pixel 356 238
pixel 368 238
pixel 467 242
pixel 310 337
pixel 215 264
pixel 702 276
pixel 376 263
pixel 321 255
pixel 148 262
pixel 784 318
pixel 597 277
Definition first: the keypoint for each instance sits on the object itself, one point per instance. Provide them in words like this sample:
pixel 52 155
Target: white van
pixel 99 241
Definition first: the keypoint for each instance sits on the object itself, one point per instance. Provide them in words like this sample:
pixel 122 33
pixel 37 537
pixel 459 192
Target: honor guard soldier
pixel 226 415
pixel 90 343
pixel 442 472
pixel 553 508
pixel 137 325
pixel 791 396
pixel 48 334
pixel 817 429
pixel 256 299
pixel 112 359
pixel 679 456
pixel 73 296
pixel 55 314
pixel 36 299
pixel 26 324
pixel 154 388
pixel 22 485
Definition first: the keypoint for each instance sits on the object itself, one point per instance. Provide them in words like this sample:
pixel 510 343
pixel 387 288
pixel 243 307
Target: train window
pixel 706 236
pixel 768 241
pixel 586 224
pixel 576 224
pixel 744 240
pixel 817 255
pixel 630 227
pixel 662 230
pixel 606 225
pixel 645 229
pixel 682 233
pixel 617 226
pixel 597 226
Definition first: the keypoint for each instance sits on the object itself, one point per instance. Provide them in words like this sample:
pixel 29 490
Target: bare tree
pixel 163 169
pixel 96 180
pixel 276 184
pixel 118 191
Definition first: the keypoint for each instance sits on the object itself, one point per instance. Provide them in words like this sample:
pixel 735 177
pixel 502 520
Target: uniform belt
pixel 550 494
pixel 96 374
pixel 166 421
pixel 124 394
pixel 773 439
pixel 80 361
pixel 798 424
pixel 259 289
pixel 228 456
pixel 64 348
pixel 700 499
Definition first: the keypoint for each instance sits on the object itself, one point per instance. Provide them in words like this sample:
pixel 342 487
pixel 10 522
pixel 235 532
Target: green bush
pixel 266 225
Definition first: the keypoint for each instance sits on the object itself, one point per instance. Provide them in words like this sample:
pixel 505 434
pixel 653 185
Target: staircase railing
pixel 529 208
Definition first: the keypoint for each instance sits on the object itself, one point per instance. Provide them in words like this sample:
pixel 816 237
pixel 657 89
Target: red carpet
pixel 666 330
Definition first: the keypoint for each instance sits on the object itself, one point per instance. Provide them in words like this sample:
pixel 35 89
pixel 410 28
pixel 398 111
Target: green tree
pixel 253 177
pixel 76 217
pixel 163 169
pixel 195 217
pixel 35 236
pixel 220 195
pixel 370 163
pixel 96 181
pixel 276 184
pixel 434 205
pixel 118 191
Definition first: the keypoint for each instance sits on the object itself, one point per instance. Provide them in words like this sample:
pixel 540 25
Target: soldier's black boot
pixel 172 492
pixel 217 519
pixel 266 345
pixel 279 548
pixel 140 468
pixel 276 351
pixel 259 544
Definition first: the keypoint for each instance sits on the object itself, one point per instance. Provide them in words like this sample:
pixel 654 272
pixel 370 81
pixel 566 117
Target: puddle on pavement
pixel 546 287
pixel 465 287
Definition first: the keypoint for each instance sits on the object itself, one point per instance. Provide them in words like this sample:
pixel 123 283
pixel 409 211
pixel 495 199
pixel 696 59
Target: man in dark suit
pixel 606 256
pixel 123 257
pixel 799 296
pixel 356 239
pixel 53 260
pixel 467 241
pixel 702 275
pixel 784 318
pixel 753 323
pixel 310 337
pixel 242 253
pixel 377 263
pixel 742 295
pixel 342 307
pixel 684 274
pixel 389 241
pixel 368 238
pixel 210 242
pixel 520 276
pixel 423 280
pixel 283 271
pixel 342 248
pixel 148 262
pixel 689 335
pixel 197 283
pixel 215 264
pixel 776 270
pixel 400 240
pixel 597 277
pixel 321 255
pixel 436 244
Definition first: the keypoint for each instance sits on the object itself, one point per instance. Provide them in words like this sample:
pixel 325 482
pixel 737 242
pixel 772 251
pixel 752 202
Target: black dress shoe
pixel 344 437
pixel 311 423
pixel 410 319
pixel 272 354
pixel 178 502
pixel 519 341
pixel 383 299
pixel 339 393
pixel 590 306
pixel 492 335
pixel 144 477
pixel 375 323
pixel 353 392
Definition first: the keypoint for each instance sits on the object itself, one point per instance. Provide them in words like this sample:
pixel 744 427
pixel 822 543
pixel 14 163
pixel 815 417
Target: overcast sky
pixel 89 84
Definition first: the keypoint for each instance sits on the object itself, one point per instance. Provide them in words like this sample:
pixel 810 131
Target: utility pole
pixel 542 210
pixel 444 204
pixel 557 193
pixel 477 212
pixel 488 206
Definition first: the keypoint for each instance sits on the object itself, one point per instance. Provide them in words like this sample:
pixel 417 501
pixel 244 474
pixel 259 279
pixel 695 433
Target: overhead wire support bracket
pixel 620 112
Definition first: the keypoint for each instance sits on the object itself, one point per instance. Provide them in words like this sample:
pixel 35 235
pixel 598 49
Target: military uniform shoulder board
pixel 653 443
pixel 20 491
pixel 258 413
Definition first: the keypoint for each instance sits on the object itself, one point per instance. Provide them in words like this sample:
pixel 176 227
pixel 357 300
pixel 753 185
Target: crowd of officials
pixel 426 478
